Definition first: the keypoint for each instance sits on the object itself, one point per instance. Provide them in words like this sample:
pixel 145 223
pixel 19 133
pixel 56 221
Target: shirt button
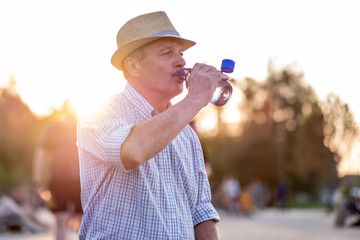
pixel 173 217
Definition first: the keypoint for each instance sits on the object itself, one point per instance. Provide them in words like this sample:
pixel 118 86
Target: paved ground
pixel 289 225
pixel 266 225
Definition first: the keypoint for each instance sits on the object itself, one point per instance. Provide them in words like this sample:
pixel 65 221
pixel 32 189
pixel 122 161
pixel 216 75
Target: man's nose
pixel 180 61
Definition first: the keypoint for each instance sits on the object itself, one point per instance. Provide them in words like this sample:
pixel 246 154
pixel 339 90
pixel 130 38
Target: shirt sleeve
pixel 103 140
pixel 204 210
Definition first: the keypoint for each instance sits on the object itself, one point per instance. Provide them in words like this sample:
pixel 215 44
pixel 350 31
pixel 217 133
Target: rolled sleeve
pixel 103 142
pixel 113 145
pixel 204 212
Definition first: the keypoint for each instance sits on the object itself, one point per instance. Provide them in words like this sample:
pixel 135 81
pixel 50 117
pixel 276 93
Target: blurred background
pixel 288 138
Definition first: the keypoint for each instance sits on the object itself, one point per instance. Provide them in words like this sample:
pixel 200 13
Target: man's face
pixel 160 67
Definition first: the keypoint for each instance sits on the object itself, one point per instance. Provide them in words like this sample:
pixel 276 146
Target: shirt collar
pixel 135 98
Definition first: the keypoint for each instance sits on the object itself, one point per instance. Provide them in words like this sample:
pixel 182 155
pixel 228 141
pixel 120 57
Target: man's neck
pixel 156 100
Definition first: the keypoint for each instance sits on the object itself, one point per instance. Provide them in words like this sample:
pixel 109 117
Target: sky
pixel 61 49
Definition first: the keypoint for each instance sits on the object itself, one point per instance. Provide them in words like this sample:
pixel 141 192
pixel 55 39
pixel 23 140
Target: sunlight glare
pixel 4 78
pixel 350 163
pixel 207 121
pixel 231 113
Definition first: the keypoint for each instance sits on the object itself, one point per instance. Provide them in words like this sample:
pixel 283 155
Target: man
pixel 141 164
pixel 56 168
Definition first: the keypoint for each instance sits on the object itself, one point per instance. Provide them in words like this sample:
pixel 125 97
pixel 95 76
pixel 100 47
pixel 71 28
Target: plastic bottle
pixel 223 90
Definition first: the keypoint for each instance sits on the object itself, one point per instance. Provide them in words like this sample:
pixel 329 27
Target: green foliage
pixel 18 136
pixel 20 131
pixel 340 127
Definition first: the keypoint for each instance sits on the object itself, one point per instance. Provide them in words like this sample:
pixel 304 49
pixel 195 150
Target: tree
pixel 18 134
pixel 282 138
pixel 340 128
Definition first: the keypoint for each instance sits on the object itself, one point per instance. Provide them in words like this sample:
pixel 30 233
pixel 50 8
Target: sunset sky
pixel 62 49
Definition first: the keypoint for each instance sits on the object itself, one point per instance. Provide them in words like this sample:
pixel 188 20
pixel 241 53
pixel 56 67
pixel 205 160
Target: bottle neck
pixel 184 74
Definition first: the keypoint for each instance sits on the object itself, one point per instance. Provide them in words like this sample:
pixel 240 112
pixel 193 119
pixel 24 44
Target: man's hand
pixel 203 81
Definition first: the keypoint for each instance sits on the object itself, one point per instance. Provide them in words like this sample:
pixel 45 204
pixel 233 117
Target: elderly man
pixel 141 164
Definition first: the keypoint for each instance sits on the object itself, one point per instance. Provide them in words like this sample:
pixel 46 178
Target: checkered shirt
pixel 164 198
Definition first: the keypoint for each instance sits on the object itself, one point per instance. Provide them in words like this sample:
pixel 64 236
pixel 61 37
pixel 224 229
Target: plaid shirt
pixel 164 198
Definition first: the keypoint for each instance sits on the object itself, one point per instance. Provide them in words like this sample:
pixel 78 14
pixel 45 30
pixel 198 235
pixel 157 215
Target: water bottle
pixel 223 90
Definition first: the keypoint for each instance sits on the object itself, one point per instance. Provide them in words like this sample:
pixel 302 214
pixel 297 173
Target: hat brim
pixel 126 49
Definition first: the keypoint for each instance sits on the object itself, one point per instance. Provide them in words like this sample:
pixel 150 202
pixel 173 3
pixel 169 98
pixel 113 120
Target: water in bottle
pixel 223 91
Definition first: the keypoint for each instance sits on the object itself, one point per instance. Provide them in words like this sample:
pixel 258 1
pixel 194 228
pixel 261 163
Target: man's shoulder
pixel 114 108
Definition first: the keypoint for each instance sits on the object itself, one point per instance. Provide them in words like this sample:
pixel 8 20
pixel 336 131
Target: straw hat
pixel 141 30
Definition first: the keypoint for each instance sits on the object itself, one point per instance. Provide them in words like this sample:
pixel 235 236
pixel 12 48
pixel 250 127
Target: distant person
pixel 57 169
pixel 230 189
pixel 259 194
pixel 283 196
pixel 246 204
pixel 347 207
pixel 142 168
pixel 17 212
pixel 353 205
pixel 327 199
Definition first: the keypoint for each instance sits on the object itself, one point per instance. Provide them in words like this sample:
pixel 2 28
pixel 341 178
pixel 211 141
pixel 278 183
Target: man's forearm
pixel 150 137
pixel 206 231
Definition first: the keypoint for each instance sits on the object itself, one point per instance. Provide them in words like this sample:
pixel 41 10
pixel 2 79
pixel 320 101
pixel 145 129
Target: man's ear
pixel 131 65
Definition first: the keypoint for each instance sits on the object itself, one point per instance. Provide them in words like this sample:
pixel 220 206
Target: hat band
pixel 165 33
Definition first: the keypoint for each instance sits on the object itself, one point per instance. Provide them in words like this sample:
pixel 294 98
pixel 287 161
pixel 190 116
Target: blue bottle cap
pixel 227 66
